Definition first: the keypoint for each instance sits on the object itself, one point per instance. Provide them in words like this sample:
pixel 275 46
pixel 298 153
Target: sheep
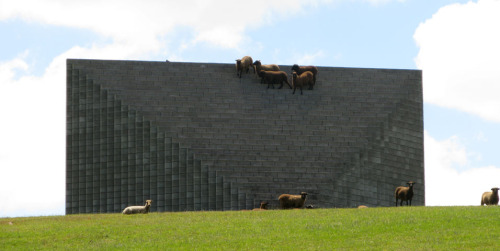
pixel 263 206
pixel 302 69
pixel 306 78
pixel 362 206
pixel 275 77
pixel 404 193
pixel 267 67
pixel 292 201
pixel 490 198
pixel 138 209
pixel 243 64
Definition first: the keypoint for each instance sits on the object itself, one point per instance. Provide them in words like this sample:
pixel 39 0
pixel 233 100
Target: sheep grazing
pixel 274 77
pixel 266 67
pixel 306 78
pixel 490 198
pixel 292 201
pixel 243 64
pixel 404 193
pixel 138 209
pixel 263 206
pixel 302 69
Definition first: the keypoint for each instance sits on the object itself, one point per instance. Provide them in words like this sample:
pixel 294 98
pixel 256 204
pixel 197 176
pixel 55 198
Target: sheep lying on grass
pixel 362 206
pixel 404 193
pixel 302 80
pixel 138 209
pixel 243 64
pixel 490 198
pixel 275 77
pixel 263 206
pixel 267 67
pixel 292 201
pixel 302 69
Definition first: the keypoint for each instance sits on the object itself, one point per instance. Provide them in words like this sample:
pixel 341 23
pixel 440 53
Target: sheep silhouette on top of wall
pixel 264 67
pixel 244 64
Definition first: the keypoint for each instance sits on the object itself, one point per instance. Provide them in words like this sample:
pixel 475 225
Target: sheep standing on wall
pixel 306 78
pixel 302 69
pixel 266 67
pixel 490 198
pixel 243 64
pixel 404 193
pixel 138 209
pixel 292 201
pixel 275 77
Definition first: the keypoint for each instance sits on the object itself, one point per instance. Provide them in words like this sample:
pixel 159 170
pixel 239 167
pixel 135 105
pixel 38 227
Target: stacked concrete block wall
pixel 350 141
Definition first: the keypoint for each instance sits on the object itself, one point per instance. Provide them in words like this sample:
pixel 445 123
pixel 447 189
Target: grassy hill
pixel 414 228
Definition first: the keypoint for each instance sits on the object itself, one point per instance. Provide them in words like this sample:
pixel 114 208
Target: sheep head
pixel 263 205
pixel 411 183
pixel 303 195
pixel 495 190
pixel 295 67
pixel 257 63
pixel 148 202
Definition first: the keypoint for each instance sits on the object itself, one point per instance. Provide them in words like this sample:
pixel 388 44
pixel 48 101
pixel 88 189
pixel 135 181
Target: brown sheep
pixel 362 206
pixel 292 201
pixel 302 69
pixel 275 77
pixel 263 206
pixel 138 209
pixel 267 67
pixel 490 198
pixel 404 193
pixel 303 79
pixel 243 64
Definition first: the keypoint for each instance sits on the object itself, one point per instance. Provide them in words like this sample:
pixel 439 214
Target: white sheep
pixel 292 201
pixel 404 193
pixel 138 209
pixel 490 198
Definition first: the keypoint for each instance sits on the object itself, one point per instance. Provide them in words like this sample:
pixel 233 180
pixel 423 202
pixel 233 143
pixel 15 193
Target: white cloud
pixel 445 185
pixel 460 57
pixel 308 58
pixel 221 23
pixel 33 139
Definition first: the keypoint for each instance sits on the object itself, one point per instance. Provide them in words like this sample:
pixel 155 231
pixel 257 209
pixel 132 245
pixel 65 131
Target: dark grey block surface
pixel 193 136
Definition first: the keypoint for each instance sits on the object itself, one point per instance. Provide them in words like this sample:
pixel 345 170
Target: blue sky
pixel 453 42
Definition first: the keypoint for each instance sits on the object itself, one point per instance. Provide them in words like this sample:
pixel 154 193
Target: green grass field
pixel 413 228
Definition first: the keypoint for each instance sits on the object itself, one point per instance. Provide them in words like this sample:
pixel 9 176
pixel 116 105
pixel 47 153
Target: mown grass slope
pixel 414 228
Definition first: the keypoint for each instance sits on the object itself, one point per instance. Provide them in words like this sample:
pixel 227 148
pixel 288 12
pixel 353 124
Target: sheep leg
pixel 301 90
pixel 294 90
pixel 396 202
pixel 281 86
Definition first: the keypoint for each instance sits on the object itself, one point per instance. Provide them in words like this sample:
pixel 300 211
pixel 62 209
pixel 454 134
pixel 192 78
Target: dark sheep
pixel 243 64
pixel 490 198
pixel 404 193
pixel 302 69
pixel 263 206
pixel 292 201
pixel 267 67
pixel 306 78
pixel 275 77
